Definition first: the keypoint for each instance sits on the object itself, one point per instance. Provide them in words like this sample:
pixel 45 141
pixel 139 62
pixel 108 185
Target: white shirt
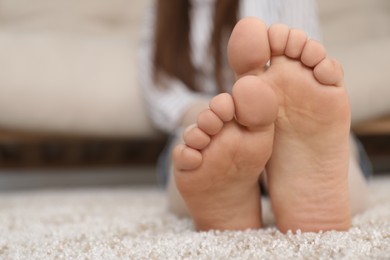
pixel 167 105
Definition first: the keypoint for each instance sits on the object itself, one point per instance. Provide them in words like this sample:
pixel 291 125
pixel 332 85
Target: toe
pixel 248 47
pixel 295 43
pixel 255 102
pixel 223 106
pixel 329 72
pixel 196 138
pixel 209 122
pixel 313 53
pixel 186 158
pixel 278 35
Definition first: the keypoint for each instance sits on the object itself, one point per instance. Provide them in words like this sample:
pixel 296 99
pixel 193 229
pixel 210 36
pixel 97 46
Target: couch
pixel 69 67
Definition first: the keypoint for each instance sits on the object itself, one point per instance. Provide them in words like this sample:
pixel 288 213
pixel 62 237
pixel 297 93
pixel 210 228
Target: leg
pixel 358 188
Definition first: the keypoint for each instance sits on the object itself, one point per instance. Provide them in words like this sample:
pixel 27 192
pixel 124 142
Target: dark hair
pixel 172 53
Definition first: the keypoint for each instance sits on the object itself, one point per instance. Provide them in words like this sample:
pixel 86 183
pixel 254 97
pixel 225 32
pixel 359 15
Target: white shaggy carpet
pixel 134 224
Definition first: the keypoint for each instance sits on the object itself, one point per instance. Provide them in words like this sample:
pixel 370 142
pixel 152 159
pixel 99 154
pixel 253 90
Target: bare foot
pixel 218 168
pixel 308 171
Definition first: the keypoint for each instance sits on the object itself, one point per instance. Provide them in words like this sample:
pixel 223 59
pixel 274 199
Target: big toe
pixel 255 102
pixel 248 47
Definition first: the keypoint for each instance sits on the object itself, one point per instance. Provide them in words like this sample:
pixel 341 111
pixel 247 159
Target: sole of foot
pixel 307 174
pixel 218 167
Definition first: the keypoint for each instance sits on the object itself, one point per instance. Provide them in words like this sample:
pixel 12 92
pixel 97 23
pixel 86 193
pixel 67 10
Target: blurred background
pixel 71 111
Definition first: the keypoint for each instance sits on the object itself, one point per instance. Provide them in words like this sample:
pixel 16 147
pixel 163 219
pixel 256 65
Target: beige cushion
pixel 69 66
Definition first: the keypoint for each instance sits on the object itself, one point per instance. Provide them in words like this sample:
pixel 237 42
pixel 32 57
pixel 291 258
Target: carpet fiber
pixel 134 224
